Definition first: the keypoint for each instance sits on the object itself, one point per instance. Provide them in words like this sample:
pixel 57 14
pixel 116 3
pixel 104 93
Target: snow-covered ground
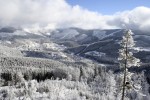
pixel 95 53
pixel 142 49
pixel 66 34
pixel 99 34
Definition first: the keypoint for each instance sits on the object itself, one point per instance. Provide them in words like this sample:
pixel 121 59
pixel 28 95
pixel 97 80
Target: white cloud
pixel 59 14
pixel 138 18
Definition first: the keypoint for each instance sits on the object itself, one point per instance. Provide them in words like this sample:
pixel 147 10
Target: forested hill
pixel 76 64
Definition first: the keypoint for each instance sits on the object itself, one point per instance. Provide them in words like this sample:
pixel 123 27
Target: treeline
pixel 42 69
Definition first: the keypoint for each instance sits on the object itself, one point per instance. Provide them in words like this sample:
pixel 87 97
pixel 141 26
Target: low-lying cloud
pixel 59 14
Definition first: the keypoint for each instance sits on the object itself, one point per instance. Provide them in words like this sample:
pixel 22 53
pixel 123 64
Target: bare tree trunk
pixel 125 72
pixel 81 73
pixel 124 83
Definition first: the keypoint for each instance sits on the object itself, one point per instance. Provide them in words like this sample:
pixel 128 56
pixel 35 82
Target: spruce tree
pixel 126 58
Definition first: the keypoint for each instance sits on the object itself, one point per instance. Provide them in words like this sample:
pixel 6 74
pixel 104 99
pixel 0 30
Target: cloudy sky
pixel 87 14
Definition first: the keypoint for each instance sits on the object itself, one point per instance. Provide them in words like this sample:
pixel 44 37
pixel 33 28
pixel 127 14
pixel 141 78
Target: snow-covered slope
pixel 65 34
pixel 68 64
pixel 9 52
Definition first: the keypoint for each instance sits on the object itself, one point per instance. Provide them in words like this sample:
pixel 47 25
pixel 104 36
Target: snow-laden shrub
pixel 139 90
pixel 26 89
pixel 7 93
pixel 17 78
pixel 60 92
pixel 105 86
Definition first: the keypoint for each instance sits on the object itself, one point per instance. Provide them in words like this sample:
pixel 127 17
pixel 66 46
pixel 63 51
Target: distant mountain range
pixel 101 45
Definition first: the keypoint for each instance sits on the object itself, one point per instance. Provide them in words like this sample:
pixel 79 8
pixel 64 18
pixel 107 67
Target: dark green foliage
pixel 11 78
pixel 6 76
pixel 14 78
pixel 42 76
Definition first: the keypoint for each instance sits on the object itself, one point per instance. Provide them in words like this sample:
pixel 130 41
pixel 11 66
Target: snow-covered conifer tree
pixel 127 59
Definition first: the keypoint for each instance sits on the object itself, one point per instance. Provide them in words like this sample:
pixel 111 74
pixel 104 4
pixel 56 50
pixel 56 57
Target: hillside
pixel 69 64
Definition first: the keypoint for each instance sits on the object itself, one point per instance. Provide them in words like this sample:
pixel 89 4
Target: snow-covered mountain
pixel 96 44
pixel 87 42
pixel 99 45
pixel 82 57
